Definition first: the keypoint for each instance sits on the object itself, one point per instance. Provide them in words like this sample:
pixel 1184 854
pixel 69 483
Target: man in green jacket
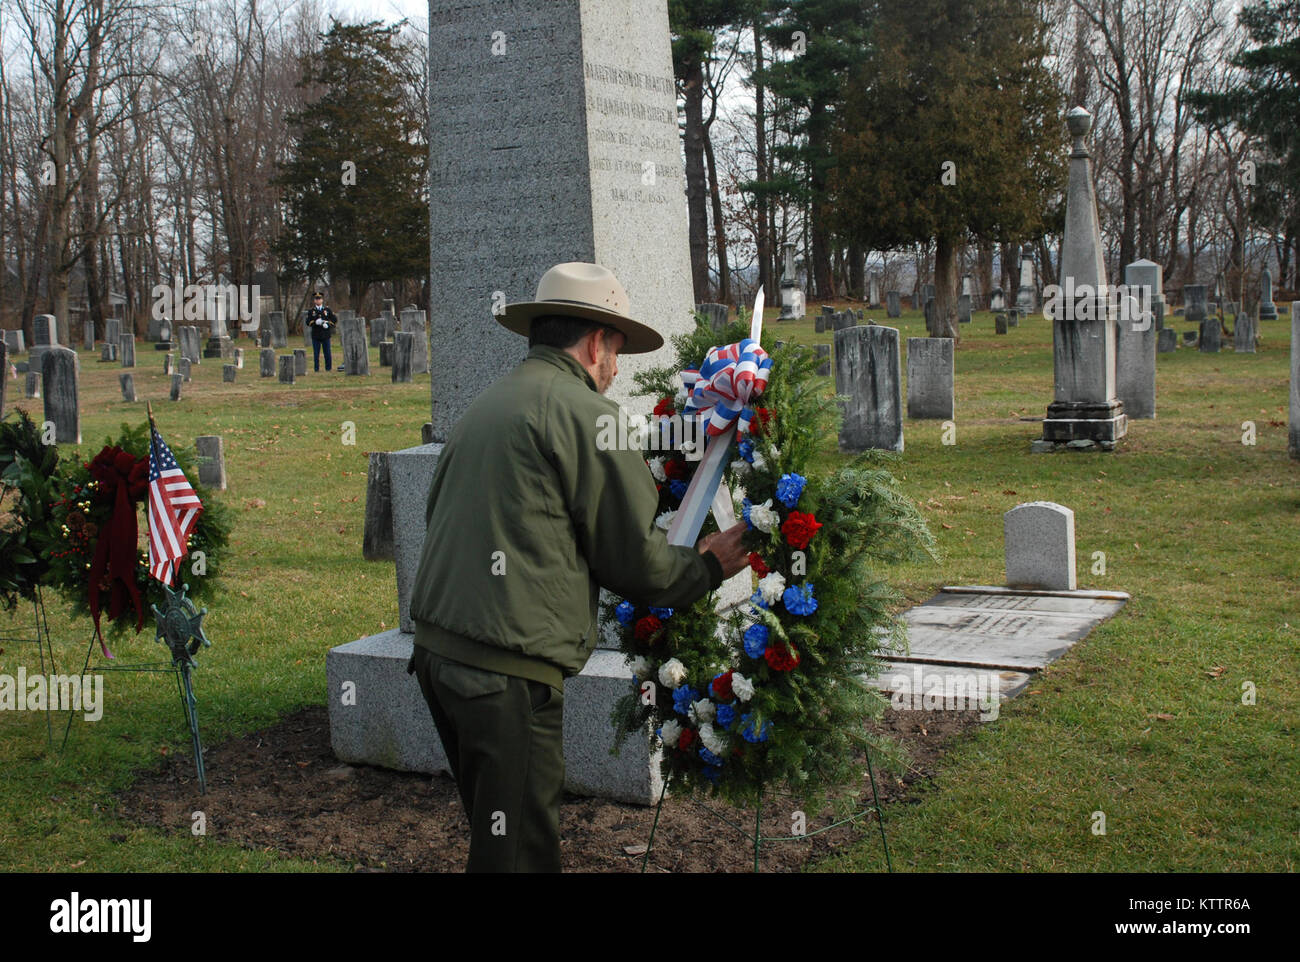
pixel 528 517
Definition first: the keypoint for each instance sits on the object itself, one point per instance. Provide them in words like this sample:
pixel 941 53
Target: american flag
pixel 173 509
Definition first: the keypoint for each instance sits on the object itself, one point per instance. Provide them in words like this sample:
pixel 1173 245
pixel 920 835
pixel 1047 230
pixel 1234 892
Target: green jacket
pixel 528 518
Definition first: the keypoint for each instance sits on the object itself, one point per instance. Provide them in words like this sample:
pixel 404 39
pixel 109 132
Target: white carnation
pixel 702 711
pixel 771 586
pixel 666 519
pixel 740 467
pixel 657 469
pixel 759 461
pixel 762 517
pixel 741 687
pixel 672 673
pixel 670 732
pixel 713 741
pixel 641 668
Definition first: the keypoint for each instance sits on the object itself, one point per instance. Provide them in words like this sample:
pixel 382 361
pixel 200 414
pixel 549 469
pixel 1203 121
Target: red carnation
pixel 756 562
pixel 646 627
pixel 759 424
pixel 675 470
pixel 684 739
pixel 781 657
pixel 799 529
pixel 721 687
pixel 665 408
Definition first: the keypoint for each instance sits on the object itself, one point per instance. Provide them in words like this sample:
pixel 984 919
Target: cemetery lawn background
pixel 1144 720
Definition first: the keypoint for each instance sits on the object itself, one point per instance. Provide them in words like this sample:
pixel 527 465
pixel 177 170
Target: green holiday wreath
pixel 64 514
pixel 769 694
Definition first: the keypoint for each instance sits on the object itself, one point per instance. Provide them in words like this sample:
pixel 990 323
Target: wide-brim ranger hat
pixel 586 291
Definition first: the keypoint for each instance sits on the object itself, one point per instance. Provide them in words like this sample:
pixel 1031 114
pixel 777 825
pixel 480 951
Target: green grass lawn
pixel 1142 721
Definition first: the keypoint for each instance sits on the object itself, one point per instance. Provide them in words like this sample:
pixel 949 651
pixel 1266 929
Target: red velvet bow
pixel 124 480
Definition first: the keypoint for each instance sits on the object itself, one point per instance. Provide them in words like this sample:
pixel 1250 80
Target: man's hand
pixel 728 548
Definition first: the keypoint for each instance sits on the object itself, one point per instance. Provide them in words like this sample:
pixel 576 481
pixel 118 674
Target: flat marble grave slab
pixel 982 626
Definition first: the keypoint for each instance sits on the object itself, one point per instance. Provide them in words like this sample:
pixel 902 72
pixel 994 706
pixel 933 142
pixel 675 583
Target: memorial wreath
pixel 768 693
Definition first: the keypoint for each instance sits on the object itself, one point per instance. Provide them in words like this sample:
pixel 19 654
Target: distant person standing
pixel 322 322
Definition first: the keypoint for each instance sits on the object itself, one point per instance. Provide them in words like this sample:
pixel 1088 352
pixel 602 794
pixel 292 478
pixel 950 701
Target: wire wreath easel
pixel 44 646
pixel 180 628
pixel 757 838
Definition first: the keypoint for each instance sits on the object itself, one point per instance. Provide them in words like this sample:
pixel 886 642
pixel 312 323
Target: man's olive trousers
pixel 504 738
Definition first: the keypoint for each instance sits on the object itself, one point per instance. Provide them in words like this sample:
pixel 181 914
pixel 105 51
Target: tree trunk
pixel 719 228
pixel 857 272
pixel 945 289
pixel 696 190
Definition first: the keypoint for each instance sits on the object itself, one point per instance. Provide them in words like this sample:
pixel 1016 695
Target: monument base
pixel 213 348
pixel 388 722
pixel 1082 425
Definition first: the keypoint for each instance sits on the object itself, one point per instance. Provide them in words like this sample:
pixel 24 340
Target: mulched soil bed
pixel 282 789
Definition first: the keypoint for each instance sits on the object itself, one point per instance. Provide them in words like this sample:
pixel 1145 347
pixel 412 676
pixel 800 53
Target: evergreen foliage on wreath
pixel 62 508
pixel 769 694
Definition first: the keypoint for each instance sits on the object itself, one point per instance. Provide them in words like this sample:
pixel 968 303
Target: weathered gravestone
pixel 1085 411
pixel 184 367
pixel 59 380
pixel 211 453
pixel 88 335
pixel 868 371
pixel 414 322
pixel 45 334
pixel 14 341
pixel 403 352
pixel 377 540
pixel 931 313
pixel 32 387
pixel 930 379
pixel 279 331
pixel 1196 306
pixel 286 368
pixel 824 351
pixel 112 330
pixel 191 347
pixel 893 304
pixel 1135 341
pixel 107 352
pixel 1040 546
pixel 1166 340
pixel 127 383
pixel 1027 292
pixel 1189 337
pixel 299 361
pixel 385 353
pixel 963 308
pixel 873 291
pixel 1211 335
pixel 819 324
pixel 1267 309
pixel 237 358
pixel 714 314
pixel 228 373
pixel 169 364
pixel 164 340
pixel 1243 334
pixel 267 357
pixel 999 324
pixel 177 381
pixel 356 355
pixel 126 350
pixel 997 300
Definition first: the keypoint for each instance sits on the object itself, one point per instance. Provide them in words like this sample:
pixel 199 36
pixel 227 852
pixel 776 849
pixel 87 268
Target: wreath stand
pixel 45 646
pixel 180 628
pixel 758 838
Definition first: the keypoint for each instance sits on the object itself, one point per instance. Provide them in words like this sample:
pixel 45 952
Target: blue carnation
pixel 724 716
pixel 624 612
pixel 711 773
pixel 800 600
pixel 682 698
pixel 748 733
pixel 756 599
pixel 709 757
pixel 747 450
pixel 755 640
pixel 663 614
pixel 745 505
pixel 678 488
pixel 789 488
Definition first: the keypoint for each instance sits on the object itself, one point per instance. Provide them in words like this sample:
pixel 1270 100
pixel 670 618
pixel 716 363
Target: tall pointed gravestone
pixel 553 138
pixel 1085 413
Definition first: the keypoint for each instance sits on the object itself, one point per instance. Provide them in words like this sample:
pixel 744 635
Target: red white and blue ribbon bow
pixel 721 391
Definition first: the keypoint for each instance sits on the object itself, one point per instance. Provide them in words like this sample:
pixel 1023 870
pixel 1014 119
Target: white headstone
pixel 1040 546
